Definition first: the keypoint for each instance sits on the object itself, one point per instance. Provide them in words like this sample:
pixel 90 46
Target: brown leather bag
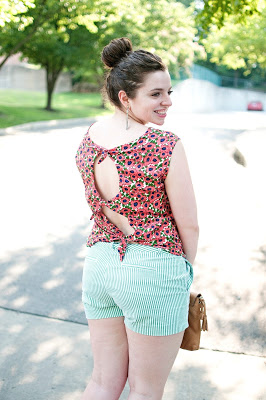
pixel 197 321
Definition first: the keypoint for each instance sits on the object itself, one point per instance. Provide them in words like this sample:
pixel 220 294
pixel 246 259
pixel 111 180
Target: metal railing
pixel 203 73
pixel 239 83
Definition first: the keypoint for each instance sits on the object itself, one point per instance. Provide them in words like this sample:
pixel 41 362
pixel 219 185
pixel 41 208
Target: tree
pixel 54 45
pixel 9 10
pixel 74 34
pixel 216 12
pixel 15 17
pixel 187 3
pixel 238 45
pixel 163 26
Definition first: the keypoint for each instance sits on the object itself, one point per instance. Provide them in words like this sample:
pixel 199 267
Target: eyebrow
pixel 160 89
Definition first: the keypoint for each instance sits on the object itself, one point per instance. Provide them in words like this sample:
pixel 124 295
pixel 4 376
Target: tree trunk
pixel 100 82
pixel 49 99
pixel 51 78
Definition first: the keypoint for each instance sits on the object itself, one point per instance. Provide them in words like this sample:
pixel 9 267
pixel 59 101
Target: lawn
pixel 19 107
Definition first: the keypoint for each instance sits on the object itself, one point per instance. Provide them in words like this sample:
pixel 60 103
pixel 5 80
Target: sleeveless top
pixel 142 166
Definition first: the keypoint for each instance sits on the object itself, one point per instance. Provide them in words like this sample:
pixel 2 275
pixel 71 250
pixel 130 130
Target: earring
pixel 127 124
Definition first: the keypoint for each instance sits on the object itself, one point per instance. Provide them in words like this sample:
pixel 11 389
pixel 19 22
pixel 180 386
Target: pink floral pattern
pixel 142 166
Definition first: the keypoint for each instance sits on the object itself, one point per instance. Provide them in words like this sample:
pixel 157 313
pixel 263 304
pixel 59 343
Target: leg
pixel 150 361
pixel 110 354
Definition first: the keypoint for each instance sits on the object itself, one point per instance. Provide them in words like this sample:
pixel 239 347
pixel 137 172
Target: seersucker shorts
pixel 149 288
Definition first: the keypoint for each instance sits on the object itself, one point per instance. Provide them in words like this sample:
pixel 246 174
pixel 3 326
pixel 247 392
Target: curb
pixel 46 125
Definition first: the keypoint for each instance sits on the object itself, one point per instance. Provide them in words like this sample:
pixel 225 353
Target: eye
pixel 155 94
pixel 170 92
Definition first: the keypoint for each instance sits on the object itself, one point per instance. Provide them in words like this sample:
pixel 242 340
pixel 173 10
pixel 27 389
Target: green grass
pixel 19 107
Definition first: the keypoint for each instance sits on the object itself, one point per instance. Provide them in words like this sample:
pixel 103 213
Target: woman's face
pixel 152 99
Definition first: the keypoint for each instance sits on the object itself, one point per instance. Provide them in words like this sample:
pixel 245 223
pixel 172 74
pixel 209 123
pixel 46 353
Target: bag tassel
pixel 204 323
pixel 204 326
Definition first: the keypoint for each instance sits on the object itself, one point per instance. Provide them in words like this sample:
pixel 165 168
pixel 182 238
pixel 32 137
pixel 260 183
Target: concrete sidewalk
pixel 44 359
pixel 44 341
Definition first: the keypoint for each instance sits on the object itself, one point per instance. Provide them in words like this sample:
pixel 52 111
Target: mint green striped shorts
pixel 149 288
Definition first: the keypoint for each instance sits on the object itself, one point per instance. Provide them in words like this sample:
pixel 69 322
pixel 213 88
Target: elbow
pixel 196 228
pixel 192 228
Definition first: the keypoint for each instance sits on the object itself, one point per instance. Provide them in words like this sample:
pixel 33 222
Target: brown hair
pixel 127 68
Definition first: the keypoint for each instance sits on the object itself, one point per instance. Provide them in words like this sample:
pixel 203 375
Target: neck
pixel 119 117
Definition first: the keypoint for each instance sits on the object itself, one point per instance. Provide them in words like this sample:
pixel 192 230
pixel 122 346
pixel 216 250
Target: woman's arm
pixel 182 200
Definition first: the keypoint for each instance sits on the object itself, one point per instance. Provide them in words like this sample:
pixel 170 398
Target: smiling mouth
pixel 161 113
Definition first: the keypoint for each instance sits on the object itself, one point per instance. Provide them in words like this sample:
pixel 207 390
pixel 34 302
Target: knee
pixel 114 383
pixel 103 389
pixel 145 392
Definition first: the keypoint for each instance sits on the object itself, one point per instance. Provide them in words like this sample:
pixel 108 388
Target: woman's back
pixel 110 134
pixel 125 187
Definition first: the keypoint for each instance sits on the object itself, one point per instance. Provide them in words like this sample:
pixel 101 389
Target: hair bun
pixel 115 50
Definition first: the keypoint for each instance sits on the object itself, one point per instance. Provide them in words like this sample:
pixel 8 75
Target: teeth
pixel 161 112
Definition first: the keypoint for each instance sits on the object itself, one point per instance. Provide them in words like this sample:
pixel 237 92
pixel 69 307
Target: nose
pixel 166 101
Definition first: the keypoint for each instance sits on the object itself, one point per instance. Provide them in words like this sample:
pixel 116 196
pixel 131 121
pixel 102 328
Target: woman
pixel 138 268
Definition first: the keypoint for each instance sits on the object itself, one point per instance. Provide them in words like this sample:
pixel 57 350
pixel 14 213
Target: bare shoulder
pixel 178 162
pixel 98 127
pixel 178 151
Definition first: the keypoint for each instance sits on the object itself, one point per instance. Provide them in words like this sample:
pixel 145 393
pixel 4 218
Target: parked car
pixel 255 106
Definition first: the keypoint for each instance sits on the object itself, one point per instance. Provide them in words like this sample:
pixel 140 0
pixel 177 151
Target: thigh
pixel 150 361
pixel 110 352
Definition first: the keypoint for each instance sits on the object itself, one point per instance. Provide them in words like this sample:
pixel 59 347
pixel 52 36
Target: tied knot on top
pixel 122 247
pixel 97 209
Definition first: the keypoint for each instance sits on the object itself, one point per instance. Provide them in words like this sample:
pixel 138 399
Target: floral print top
pixel 142 166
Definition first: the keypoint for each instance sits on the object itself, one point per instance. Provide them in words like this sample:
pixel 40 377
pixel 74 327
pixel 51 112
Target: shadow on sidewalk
pixel 47 280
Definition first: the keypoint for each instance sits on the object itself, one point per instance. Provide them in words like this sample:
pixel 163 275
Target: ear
pixel 123 98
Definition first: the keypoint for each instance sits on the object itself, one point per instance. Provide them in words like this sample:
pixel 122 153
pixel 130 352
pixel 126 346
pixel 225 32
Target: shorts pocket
pixel 179 269
pixel 90 272
pixel 140 267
